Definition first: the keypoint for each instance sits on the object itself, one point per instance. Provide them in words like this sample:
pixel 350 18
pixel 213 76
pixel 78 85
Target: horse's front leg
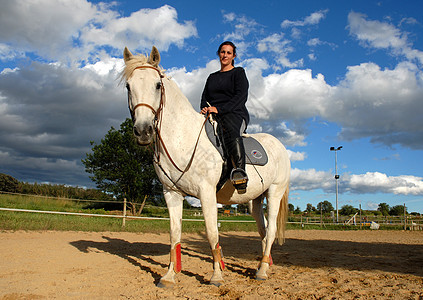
pixel 174 203
pixel 209 206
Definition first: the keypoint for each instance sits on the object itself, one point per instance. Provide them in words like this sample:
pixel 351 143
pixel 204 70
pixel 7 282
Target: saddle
pixel 254 151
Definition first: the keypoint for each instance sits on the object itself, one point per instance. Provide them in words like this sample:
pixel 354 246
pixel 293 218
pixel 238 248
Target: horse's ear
pixel 154 58
pixel 127 55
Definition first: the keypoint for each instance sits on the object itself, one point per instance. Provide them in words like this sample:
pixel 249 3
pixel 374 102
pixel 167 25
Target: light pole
pixel 336 177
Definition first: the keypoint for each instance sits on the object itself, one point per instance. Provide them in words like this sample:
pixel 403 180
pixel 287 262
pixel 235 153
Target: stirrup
pixel 238 176
pixel 239 179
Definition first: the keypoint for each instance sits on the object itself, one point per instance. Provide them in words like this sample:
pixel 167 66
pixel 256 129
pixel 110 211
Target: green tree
pixel 310 208
pixel 384 209
pixel 325 206
pixel 298 211
pixel 397 210
pixel 8 183
pixel 291 207
pixel 242 208
pixel 121 167
pixel 347 210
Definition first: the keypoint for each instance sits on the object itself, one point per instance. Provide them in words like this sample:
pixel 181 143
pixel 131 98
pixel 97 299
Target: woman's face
pixel 226 55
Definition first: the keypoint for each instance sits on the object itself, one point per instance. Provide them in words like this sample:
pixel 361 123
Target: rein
pixel 157 128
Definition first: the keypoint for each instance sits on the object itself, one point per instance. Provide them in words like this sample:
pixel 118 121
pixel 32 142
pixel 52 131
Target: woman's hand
pixel 210 109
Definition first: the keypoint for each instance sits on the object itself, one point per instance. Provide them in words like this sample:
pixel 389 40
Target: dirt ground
pixel 310 265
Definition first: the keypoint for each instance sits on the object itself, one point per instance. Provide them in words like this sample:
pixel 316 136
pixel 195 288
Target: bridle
pixel 162 97
pixel 157 128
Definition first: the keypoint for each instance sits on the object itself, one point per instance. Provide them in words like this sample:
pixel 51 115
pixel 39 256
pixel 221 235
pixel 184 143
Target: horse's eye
pixel 128 87
pixel 158 85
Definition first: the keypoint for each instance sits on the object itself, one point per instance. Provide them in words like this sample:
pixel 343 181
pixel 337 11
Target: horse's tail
pixel 282 217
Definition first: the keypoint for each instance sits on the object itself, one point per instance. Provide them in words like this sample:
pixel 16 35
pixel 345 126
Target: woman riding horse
pixel 225 95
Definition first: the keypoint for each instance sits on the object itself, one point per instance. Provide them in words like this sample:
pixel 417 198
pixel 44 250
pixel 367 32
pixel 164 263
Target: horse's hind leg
pixel 256 209
pixel 273 196
pixel 174 203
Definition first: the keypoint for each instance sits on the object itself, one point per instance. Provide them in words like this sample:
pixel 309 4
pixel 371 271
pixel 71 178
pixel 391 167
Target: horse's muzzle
pixel 144 134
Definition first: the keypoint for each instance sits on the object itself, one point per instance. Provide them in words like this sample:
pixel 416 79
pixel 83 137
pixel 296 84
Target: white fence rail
pixel 406 223
pixel 302 222
pixel 113 216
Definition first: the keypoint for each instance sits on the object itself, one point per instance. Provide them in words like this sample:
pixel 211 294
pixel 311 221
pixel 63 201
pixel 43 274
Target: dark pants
pixel 231 126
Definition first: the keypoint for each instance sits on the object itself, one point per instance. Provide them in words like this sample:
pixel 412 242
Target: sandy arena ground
pixel 310 265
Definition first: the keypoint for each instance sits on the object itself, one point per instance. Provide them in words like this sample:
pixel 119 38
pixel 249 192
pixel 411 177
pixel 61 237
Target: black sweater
pixel 228 92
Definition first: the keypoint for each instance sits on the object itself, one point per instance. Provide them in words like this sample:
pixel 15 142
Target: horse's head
pixel 145 92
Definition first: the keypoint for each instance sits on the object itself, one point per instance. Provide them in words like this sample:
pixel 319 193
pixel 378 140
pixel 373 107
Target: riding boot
pixel 238 176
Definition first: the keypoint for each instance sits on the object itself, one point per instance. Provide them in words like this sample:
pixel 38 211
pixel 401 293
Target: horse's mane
pixel 132 64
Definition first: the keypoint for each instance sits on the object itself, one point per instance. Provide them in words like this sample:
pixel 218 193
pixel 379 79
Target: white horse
pixel 187 163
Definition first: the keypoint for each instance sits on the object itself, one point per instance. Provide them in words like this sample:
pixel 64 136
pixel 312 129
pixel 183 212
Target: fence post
pixel 124 213
pixel 405 218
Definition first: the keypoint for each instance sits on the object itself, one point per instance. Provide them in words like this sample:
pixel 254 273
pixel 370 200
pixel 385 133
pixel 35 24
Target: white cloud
pixel 192 83
pixel 75 31
pixel 375 33
pixel 382 104
pixel 46 27
pixel 292 95
pixel 242 27
pixel 374 182
pixel 311 179
pixel 141 29
pixel 280 48
pixel 296 156
pixel 381 35
pixel 369 183
pixel 288 136
pixel 312 19
pixel 106 66
pixel 409 21
pixel 314 42
pixel 194 202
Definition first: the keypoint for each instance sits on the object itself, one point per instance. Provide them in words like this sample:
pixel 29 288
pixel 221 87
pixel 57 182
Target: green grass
pixel 44 203
pixel 39 221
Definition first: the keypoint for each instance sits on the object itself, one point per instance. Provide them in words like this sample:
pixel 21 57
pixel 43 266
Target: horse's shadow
pixel 134 253
pixel 138 252
pixel 351 255
pixel 389 257
pixel 348 255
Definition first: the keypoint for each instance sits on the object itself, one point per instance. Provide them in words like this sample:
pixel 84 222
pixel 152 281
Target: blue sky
pixel 322 74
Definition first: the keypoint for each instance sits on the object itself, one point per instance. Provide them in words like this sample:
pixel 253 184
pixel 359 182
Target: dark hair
pixel 229 44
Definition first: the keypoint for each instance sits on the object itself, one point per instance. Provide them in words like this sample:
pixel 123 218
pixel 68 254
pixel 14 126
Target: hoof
pixel 216 283
pixel 261 278
pixel 163 284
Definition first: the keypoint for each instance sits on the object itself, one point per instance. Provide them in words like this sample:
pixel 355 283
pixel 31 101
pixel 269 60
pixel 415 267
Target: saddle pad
pixel 254 151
